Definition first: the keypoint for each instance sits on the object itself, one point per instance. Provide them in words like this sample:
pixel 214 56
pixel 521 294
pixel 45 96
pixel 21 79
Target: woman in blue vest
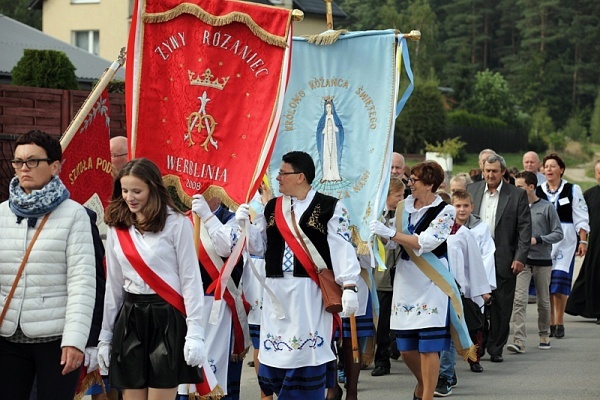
pixel 420 308
pixel 573 213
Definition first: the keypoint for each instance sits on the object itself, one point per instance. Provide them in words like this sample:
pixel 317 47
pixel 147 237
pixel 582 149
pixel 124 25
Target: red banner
pixel 205 82
pixel 86 168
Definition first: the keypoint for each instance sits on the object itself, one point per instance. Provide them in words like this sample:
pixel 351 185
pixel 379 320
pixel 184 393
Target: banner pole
pixel 91 100
pixel 354 338
pixel 329 14
pixel 414 35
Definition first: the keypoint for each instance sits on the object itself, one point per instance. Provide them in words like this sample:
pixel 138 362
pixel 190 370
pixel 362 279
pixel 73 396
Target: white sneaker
pixel 515 348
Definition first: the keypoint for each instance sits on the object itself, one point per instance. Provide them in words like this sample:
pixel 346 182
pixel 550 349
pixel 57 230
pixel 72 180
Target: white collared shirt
pixel 489 205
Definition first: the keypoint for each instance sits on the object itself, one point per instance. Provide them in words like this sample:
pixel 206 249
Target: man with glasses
pixel 302 230
pixel 118 153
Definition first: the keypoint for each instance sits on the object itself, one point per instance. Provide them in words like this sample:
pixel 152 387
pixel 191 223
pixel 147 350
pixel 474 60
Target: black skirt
pixel 147 348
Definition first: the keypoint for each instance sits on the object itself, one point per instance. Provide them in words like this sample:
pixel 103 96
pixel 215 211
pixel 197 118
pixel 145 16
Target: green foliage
pixel 19 10
pixel 556 141
pixel 491 97
pixel 541 128
pixel 595 123
pixel 45 68
pixel 423 119
pixel 466 119
pixel 574 129
pixel 116 86
pixel 453 147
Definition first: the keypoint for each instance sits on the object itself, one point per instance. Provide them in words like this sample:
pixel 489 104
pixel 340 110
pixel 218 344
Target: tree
pixel 19 10
pixel 45 68
pixel 492 97
pixel 423 119
pixel 595 123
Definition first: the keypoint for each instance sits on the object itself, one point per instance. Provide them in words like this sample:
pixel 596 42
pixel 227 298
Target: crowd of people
pixel 457 262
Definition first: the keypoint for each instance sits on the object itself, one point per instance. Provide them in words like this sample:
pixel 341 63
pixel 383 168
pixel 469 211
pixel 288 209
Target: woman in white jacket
pixel 48 319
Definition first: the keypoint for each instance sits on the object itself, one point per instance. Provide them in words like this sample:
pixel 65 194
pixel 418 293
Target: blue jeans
pixel 447 361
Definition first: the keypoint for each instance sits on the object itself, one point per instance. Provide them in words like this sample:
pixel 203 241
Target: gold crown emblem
pixel 207 80
pixel 328 98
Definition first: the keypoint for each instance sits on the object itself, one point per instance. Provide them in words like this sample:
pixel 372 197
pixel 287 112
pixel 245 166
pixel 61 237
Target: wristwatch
pixel 354 288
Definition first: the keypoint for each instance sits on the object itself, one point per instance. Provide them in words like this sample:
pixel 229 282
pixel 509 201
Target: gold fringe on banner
pixel 239 357
pixel 174 182
pixel 213 20
pixel 216 394
pixel 361 247
pixel 88 381
pixel 325 38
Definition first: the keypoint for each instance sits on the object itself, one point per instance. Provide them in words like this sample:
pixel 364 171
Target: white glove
pixel 90 358
pixel 380 229
pixel 104 357
pixel 194 351
pixel 242 215
pixel 349 303
pixel 201 207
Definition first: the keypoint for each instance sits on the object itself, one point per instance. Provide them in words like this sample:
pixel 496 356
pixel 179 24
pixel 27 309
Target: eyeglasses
pixel 31 163
pixel 413 180
pixel 118 155
pixel 281 173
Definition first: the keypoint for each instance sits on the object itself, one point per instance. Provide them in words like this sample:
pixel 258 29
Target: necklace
pixel 550 191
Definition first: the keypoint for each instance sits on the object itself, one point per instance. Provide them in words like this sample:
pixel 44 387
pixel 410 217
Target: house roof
pixel 318 7
pixel 16 37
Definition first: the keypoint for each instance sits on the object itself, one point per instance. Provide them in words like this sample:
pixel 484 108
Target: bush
pixel 423 119
pixel 46 69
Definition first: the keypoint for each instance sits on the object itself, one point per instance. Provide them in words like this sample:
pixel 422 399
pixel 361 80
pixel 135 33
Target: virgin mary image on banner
pixel 330 141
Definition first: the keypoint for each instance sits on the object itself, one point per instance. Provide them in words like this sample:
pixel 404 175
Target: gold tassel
pixel 368 355
pixel 325 38
pixel 239 357
pixel 201 14
pixel 216 394
pixel 88 381
pixel 468 354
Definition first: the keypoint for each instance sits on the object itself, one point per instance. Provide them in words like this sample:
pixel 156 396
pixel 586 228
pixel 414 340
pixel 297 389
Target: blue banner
pixel 340 107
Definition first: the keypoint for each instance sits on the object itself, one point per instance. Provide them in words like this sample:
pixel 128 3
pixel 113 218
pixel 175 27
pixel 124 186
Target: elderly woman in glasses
pixel 421 309
pixel 47 320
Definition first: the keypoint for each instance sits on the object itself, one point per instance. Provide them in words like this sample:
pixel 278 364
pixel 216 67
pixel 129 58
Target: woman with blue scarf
pixel 426 305
pixel 47 320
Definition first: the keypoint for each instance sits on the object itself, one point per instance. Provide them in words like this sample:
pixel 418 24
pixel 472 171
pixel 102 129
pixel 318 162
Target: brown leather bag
pixel 330 291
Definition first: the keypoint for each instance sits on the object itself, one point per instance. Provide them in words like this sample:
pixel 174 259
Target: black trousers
pixel 500 313
pixel 386 340
pixel 21 363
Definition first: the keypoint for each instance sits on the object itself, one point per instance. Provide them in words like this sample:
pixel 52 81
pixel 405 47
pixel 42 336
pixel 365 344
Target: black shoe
pixel 251 364
pixel 497 358
pixel 443 388
pixel 476 367
pixel 552 330
pixel 598 321
pixel 454 381
pixel 380 371
pixel 560 331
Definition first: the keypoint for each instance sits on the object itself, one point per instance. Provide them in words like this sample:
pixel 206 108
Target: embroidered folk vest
pixel 313 223
pixel 565 211
pixel 223 215
pixel 423 224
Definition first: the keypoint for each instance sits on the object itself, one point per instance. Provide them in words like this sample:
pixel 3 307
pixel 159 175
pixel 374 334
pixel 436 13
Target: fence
pixel 50 110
